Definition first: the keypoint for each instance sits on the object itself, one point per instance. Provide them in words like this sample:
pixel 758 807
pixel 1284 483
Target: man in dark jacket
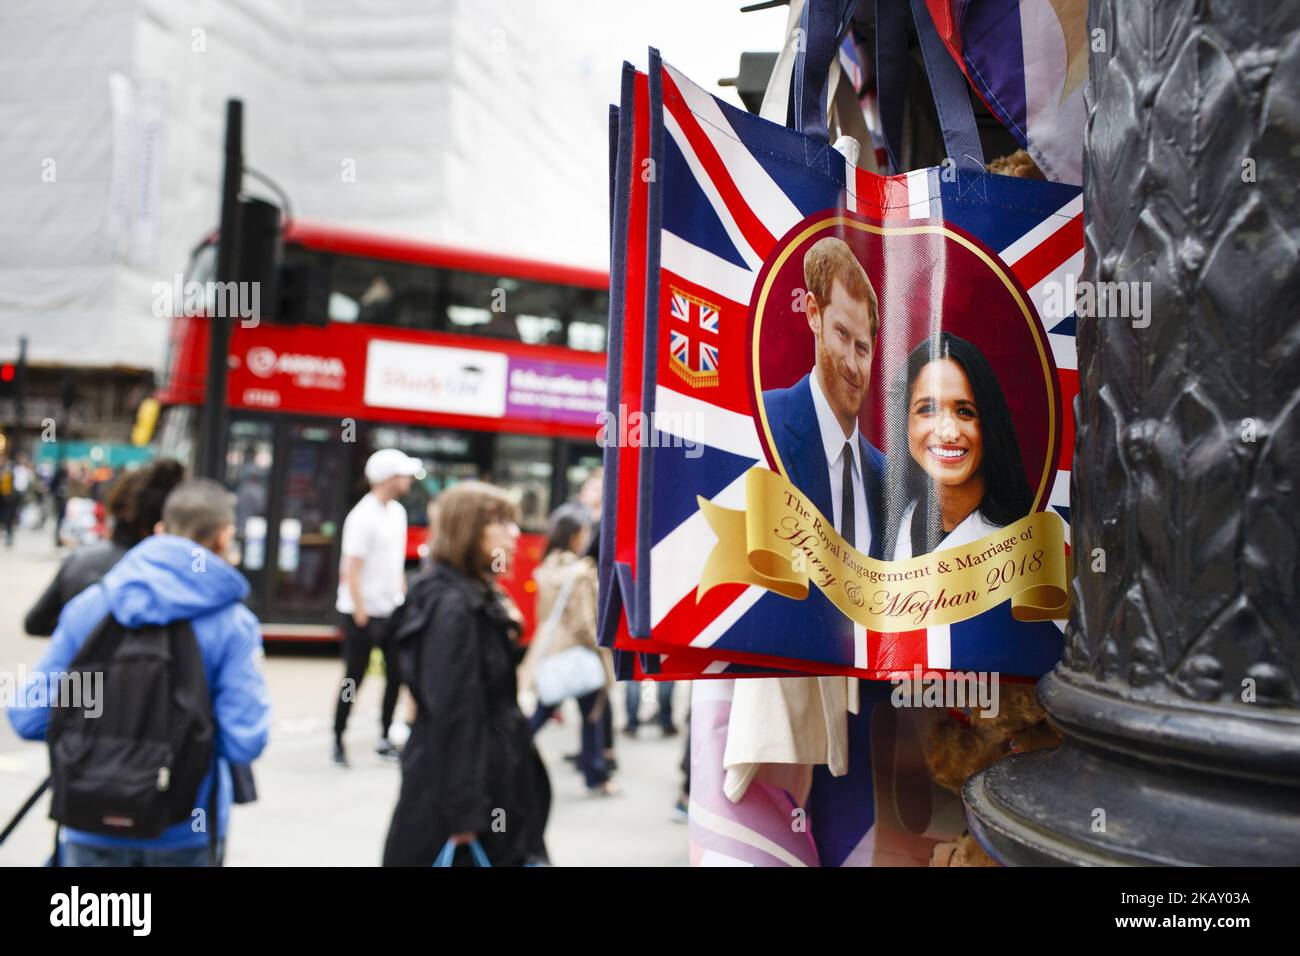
pixel 79 571
pixel 813 424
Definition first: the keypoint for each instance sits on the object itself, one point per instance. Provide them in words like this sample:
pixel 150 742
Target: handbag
pixel 448 853
pixel 574 672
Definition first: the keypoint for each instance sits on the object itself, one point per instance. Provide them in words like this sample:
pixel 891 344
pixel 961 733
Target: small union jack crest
pixel 693 345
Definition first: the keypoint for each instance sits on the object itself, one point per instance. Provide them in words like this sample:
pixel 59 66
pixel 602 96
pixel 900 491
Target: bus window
pixel 581 463
pixel 506 308
pixel 177 434
pixel 540 310
pixel 309 523
pixel 448 457
pixel 250 452
pixel 589 319
pixel 312 261
pixel 382 293
pixel 480 305
pixel 522 464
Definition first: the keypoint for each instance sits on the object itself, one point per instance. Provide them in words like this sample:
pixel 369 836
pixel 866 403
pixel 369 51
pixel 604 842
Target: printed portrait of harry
pixel 814 423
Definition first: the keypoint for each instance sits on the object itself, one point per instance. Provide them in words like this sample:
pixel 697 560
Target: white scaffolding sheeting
pixel 477 123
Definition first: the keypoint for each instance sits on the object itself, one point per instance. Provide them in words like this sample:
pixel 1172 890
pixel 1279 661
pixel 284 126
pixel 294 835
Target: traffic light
pixel 259 254
pixel 13 376
pixel 291 293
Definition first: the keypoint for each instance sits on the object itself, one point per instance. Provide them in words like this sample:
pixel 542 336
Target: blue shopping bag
pixel 448 853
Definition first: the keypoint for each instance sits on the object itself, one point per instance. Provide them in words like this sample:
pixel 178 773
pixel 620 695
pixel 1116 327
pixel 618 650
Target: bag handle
pixel 476 852
pixel 22 811
pixel 776 98
pixel 214 805
pixel 821 24
pixel 947 84
pixel 480 856
pixel 443 859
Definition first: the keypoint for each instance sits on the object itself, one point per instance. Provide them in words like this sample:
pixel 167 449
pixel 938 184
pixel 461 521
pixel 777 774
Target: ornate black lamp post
pixel 1178 693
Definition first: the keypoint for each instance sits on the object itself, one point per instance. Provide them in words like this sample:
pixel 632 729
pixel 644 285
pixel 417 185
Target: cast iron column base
pixel 1137 783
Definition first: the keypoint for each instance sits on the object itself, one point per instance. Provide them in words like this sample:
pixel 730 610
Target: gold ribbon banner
pixel 781 542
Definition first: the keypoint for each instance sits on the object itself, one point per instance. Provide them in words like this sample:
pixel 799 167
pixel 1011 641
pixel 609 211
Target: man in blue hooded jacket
pixel 174 575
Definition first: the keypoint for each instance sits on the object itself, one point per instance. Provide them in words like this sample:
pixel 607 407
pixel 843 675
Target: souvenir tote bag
pixel 858 388
pixel 624 426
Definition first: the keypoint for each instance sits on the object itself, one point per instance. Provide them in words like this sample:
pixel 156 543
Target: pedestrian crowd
pixel 72 495
pixel 156 609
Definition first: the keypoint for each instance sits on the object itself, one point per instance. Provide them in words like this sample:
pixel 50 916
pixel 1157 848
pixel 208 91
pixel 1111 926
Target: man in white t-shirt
pixel 372 583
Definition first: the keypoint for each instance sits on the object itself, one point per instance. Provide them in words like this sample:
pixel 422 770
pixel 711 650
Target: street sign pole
pixel 212 429
pixel 20 387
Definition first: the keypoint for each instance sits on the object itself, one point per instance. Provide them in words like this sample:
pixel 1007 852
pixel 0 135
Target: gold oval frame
pixel 994 264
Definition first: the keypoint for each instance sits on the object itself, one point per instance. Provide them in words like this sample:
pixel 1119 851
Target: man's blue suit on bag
pixel 792 419
pixel 821 630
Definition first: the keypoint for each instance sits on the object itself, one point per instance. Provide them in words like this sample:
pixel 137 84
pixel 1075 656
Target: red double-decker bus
pixel 481 366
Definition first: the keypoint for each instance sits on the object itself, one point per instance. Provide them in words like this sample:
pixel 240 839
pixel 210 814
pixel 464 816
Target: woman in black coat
pixel 469 768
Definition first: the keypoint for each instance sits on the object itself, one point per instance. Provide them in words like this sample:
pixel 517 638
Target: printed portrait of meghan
pixel 954 472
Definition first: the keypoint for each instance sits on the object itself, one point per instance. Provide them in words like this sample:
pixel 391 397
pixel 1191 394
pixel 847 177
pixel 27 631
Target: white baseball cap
pixel 387 462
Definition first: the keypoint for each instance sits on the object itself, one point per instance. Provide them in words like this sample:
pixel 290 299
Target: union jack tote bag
pixel 854 435
pixel 631 172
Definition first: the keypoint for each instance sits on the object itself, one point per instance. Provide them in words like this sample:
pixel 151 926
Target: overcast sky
pixel 703 38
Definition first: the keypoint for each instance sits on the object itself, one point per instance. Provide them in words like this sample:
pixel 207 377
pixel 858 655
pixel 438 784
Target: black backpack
pixel 135 769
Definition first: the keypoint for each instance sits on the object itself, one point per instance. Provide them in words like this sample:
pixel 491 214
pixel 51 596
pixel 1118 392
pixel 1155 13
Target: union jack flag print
pixel 730 186
pixel 694 340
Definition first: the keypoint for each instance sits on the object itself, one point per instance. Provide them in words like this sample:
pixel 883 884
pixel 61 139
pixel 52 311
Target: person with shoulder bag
pixel 470 774
pixel 563 659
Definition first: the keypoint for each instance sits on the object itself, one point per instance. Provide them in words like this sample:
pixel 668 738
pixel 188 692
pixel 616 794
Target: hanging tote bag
pixel 624 424
pixel 742 550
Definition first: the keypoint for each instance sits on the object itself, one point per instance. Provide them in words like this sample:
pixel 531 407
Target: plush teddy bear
pixel 1019 164
pixel 963 744
pixel 964 852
